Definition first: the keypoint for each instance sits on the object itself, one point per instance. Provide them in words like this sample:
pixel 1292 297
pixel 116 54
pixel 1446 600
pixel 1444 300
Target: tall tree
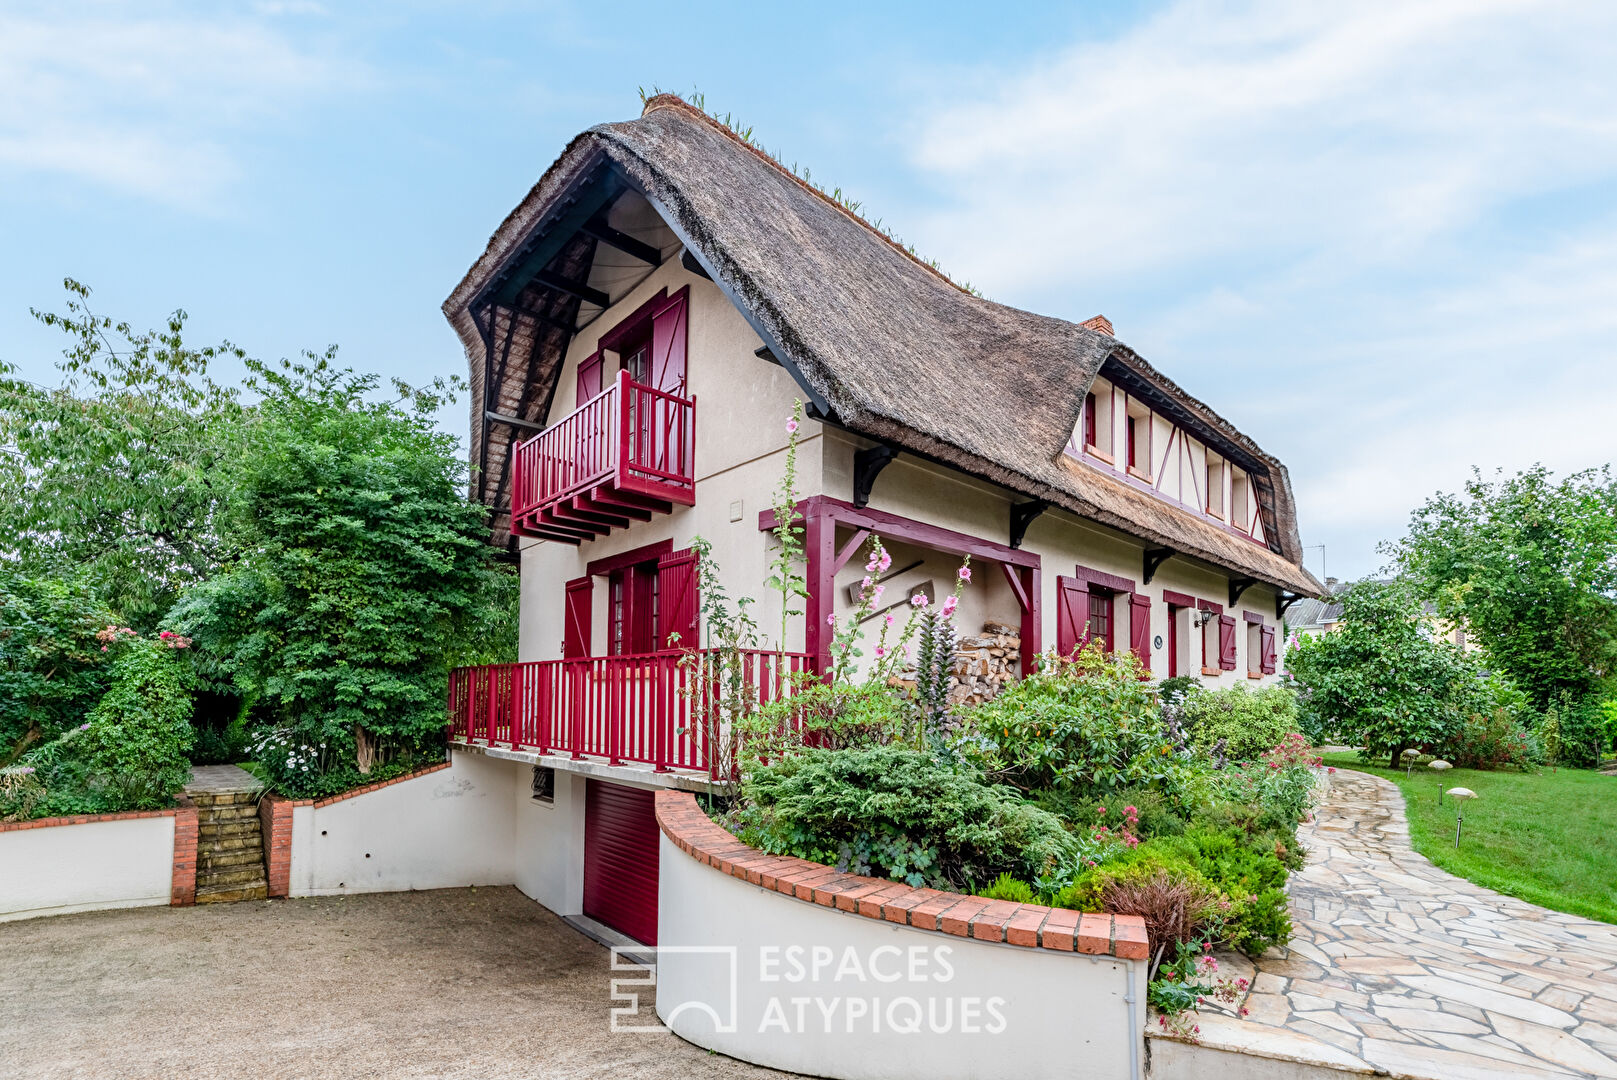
pixel 115 474
pixel 1528 565
pixel 1381 679
pixel 356 567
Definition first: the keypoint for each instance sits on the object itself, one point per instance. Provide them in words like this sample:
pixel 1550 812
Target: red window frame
pixel 1100 624
pixel 1089 420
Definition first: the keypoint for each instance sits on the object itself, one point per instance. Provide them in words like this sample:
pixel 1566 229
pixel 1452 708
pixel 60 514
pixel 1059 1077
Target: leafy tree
pixel 53 666
pixel 1380 678
pixel 116 473
pixel 356 569
pixel 1528 565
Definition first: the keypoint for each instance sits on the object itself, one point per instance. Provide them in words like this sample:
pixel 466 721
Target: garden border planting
pixel 1028 925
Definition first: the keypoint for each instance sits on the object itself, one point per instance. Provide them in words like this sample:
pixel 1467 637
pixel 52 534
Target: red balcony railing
pixel 670 710
pixel 628 450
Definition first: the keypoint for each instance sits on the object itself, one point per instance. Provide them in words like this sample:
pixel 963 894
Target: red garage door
pixel 620 859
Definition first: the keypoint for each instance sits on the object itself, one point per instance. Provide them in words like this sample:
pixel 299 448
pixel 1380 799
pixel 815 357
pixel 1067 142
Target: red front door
pixel 621 859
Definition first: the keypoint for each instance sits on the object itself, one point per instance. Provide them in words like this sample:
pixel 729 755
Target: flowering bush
pixel 1245 722
pixel 1088 722
pixel 1493 740
pixel 1189 979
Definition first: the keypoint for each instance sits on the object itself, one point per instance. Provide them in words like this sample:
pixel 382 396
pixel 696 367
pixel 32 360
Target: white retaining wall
pixel 888 1002
pixel 57 869
pixel 443 830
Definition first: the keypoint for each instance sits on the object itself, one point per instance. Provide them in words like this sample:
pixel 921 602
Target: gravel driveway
pixel 479 983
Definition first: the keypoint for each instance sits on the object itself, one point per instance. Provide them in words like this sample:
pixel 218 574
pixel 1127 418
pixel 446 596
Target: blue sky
pixel 1379 237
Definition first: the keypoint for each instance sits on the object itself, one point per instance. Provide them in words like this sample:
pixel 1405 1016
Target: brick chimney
pixel 1100 324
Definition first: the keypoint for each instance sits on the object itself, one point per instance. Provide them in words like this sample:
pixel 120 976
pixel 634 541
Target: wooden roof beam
pixel 635 249
pixel 551 280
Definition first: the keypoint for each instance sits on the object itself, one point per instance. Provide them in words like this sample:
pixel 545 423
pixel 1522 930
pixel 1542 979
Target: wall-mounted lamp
pixel 1201 617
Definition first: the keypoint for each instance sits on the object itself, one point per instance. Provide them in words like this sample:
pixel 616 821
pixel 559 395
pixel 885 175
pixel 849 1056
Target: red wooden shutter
pixel 677 611
pixel 575 640
pixel 1089 419
pixel 668 345
pixel 589 378
pixel 1266 638
pixel 1140 628
pixel 1226 642
pixel 1072 614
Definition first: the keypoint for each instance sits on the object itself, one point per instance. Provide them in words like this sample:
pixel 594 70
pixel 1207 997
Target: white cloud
pixel 1364 231
pixel 1363 128
pixel 145 100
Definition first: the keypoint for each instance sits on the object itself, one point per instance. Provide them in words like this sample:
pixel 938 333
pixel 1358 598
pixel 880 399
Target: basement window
pixel 544 784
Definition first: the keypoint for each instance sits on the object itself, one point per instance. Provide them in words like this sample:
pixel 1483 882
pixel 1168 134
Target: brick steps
pixel 230 848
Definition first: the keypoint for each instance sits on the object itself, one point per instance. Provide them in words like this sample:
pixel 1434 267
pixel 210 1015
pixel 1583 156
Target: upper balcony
pixel 625 454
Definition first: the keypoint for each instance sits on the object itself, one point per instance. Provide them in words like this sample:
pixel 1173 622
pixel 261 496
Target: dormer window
pixel 1098 421
pixel 1240 500
pixel 1215 485
pixel 1137 440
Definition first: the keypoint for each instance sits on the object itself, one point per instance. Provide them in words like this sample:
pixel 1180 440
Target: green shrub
pixel 1247 722
pixel 1156 815
pixel 898 813
pixel 831 716
pixel 53 667
pixel 1009 888
pixel 1085 723
pixel 131 753
pixel 1491 740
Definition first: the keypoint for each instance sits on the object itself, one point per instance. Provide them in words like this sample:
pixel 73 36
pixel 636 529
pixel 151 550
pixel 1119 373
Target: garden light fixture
pixel 1441 766
pixel 1460 794
pixel 1409 756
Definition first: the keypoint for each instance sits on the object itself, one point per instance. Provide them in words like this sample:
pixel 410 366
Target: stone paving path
pixel 1397 967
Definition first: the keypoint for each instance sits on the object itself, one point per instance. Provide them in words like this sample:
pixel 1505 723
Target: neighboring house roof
pixel 1308 613
pixel 889 346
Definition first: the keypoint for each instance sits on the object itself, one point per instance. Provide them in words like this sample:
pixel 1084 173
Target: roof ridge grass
pixel 729 126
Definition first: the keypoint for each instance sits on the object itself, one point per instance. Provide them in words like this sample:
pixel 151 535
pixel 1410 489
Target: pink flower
pixel 84 727
pixel 831 620
pixel 965 573
pixel 866 583
pixel 887 620
pixel 881 651
pixel 1100 811
pixel 791 427
pixel 949 604
pixel 919 600
pixel 886 561
pixel 875 594
pixel 1130 811
pixel 1332 769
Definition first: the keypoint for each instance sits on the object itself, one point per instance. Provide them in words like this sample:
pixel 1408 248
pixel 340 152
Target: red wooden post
pixel 518 712
pixel 1031 630
pixel 819 543
pixel 621 466
pixel 662 688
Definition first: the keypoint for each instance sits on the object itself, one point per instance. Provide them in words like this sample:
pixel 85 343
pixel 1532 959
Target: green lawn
pixel 1547 837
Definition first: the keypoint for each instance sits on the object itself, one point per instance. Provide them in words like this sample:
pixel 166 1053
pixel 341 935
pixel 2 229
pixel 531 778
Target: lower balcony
pixel 668 710
pixel 620 457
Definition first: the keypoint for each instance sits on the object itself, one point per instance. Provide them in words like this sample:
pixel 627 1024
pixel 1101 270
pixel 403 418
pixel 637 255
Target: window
pixel 1215 485
pixel 1099 627
pixel 544 784
pixel 1098 421
pixel 1240 506
pixel 1137 440
pixel 632 618
pixel 1254 650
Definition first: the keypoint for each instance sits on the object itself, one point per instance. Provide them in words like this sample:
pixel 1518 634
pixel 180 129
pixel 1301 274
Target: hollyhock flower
pixel 875 594
pixel 791 427
pixel 866 583
pixel 965 573
pixel 886 561
pixel 887 620
pixel 831 620
pixel 949 604
pixel 919 600
pixel 881 651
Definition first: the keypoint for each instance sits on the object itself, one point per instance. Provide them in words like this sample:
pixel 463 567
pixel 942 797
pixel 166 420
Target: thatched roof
pixel 894 350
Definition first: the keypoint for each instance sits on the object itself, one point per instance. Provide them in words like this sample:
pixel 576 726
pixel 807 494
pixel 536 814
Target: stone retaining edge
pixel 1027 925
